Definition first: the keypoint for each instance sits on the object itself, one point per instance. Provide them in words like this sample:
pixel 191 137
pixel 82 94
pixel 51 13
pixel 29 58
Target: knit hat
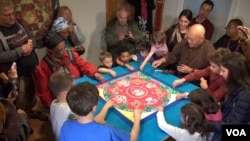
pixel 60 24
pixel 51 39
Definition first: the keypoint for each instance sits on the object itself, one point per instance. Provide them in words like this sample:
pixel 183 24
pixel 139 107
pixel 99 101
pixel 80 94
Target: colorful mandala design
pixel 137 89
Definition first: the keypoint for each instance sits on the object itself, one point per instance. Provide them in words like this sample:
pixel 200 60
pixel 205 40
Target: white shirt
pixel 177 133
pixel 59 113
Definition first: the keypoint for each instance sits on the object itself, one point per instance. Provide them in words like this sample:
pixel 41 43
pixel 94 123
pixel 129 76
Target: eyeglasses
pixel 190 39
pixel 10 15
pixel 230 27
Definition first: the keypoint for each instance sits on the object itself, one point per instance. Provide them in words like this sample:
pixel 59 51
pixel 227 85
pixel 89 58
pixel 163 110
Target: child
pixel 216 86
pixel 59 84
pixel 235 109
pixel 106 63
pixel 144 49
pixel 82 100
pixel 194 128
pixel 124 58
pixel 158 48
pixel 208 104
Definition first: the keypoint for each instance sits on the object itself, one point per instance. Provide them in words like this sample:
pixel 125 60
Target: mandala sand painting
pixel 137 90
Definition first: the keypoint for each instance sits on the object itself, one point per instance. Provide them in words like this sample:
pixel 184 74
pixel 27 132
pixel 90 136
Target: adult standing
pixel 76 37
pixel 14 47
pixel 122 32
pixel 206 8
pixel 190 54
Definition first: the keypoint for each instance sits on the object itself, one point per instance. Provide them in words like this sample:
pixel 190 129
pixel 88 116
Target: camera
pixel 126 36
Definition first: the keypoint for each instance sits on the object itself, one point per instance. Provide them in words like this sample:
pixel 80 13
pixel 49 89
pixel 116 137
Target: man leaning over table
pixel 190 54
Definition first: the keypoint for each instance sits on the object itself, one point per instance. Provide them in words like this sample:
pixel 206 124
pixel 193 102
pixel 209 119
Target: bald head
pixel 196 35
pixel 197 30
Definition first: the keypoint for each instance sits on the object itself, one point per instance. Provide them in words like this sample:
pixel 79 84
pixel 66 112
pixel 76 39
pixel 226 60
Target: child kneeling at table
pixel 106 61
pixel 124 57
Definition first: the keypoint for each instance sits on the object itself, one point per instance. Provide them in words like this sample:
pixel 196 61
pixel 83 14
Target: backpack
pixel 53 66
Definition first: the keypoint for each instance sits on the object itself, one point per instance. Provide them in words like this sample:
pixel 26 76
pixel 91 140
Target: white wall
pixel 90 15
pixel 241 11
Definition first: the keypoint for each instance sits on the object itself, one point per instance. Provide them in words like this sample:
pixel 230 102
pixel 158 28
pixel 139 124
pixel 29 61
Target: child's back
pixel 194 127
pixel 208 104
pixel 91 131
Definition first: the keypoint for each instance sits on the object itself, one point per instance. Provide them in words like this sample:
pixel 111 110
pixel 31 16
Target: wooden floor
pixel 42 130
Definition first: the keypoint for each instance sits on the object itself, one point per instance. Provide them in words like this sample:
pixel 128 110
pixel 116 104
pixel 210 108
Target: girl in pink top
pixel 158 48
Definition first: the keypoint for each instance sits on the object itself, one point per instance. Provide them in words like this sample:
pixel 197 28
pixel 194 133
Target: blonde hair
pixel 158 37
pixel 64 8
pixel 104 55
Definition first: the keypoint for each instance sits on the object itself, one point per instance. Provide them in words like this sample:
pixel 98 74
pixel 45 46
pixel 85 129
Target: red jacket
pixel 216 85
pixel 44 71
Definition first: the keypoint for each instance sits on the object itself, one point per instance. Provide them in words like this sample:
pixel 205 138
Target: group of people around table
pixel 184 49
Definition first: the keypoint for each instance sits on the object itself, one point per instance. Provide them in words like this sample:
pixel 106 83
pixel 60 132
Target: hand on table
pixel 100 118
pixel 137 113
pixel 99 77
pixel 160 109
pixel 141 68
pixel 158 62
pixel 180 96
pixel 131 68
pixel 109 104
pixel 178 82
pixel 112 73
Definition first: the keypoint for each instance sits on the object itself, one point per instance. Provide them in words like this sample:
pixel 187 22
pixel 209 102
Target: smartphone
pixel 244 33
pixel 13 66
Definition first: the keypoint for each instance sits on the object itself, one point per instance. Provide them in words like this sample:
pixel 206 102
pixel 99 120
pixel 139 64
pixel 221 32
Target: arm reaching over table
pixel 101 116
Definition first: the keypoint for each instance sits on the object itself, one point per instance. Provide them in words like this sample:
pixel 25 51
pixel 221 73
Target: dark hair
pixel 144 46
pixel 217 55
pixel 237 22
pixel 204 99
pixel 238 72
pixel 194 119
pixel 59 82
pixel 82 98
pixel 122 49
pixel 187 13
pixel 11 125
pixel 208 2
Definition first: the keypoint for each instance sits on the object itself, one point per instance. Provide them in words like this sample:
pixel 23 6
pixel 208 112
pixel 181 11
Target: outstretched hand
pixel 178 82
pixel 160 109
pixel 99 77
